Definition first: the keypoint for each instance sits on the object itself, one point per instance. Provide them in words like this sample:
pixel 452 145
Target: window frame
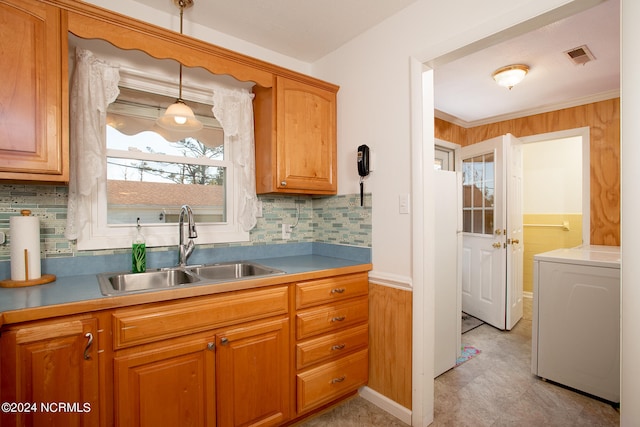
pixel 97 234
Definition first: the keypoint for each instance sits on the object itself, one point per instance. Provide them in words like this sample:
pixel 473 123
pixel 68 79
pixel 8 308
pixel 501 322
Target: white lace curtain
pixel 233 108
pixel 94 86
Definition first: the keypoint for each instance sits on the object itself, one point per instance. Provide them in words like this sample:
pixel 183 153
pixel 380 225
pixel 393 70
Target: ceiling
pixel 302 29
pixel 465 93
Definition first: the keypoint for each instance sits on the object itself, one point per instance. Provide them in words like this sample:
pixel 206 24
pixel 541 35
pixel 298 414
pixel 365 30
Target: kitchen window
pixel 145 172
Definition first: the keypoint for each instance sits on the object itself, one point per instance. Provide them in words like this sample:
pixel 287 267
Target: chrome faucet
pixel 184 250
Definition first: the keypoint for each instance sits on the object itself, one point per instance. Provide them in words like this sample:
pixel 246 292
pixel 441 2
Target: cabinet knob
pixel 283 183
pixel 224 341
pixel 211 346
pixel 89 337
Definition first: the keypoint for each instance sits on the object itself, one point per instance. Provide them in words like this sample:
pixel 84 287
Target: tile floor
pixel 495 388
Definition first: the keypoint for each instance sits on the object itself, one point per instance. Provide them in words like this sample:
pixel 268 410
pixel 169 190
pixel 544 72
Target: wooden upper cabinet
pixel 33 93
pixel 295 138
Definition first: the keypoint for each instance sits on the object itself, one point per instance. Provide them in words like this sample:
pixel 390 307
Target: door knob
pixel 497 245
pixel 513 241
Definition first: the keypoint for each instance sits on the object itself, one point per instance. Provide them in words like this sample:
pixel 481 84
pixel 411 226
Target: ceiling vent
pixel 580 55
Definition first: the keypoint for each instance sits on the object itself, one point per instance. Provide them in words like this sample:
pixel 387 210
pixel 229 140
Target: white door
pixel 491 267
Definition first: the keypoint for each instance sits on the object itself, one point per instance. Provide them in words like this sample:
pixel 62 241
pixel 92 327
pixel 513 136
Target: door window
pixel 478 192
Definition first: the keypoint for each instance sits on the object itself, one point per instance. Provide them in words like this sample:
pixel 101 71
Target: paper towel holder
pixel 45 278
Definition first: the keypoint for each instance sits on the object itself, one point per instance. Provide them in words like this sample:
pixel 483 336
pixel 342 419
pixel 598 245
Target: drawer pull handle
pixel 338 318
pixel 338 347
pixel 338 290
pixel 89 337
pixel 338 380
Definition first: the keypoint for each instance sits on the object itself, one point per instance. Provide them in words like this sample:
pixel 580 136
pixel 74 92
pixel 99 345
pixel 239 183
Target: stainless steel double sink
pixel 163 278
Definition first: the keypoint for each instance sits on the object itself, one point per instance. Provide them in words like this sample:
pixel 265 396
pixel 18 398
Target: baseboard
pixel 386 404
pixel 527 294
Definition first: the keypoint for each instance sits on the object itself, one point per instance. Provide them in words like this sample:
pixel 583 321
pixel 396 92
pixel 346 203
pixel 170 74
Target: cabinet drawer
pixel 325 291
pixel 331 380
pixel 331 346
pixel 153 322
pixel 329 318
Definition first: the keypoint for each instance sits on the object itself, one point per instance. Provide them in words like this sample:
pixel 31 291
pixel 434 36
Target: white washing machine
pixel 576 319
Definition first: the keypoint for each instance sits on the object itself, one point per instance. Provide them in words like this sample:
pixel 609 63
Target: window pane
pixel 477 221
pixel 154 192
pixel 466 221
pixel 467 168
pixel 488 221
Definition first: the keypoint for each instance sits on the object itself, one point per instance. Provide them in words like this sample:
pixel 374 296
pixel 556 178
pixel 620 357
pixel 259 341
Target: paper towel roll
pixel 25 246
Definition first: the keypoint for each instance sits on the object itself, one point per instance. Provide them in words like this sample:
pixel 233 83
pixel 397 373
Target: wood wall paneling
pixel 603 120
pixel 390 343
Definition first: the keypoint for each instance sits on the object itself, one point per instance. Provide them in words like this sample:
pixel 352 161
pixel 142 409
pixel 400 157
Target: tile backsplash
pixel 335 220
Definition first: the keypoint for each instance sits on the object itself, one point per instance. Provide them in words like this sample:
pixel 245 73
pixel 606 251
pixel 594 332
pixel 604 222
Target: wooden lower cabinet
pixel 332 338
pixel 50 373
pixel 329 381
pixel 261 357
pixel 252 374
pixel 234 377
pixel 168 383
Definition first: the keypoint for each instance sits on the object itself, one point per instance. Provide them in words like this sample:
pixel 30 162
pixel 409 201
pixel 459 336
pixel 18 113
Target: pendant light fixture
pixel 510 75
pixel 179 117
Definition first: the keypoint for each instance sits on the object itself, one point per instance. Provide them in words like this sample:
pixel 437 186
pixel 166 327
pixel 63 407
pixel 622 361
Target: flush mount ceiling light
pixel 179 117
pixel 510 75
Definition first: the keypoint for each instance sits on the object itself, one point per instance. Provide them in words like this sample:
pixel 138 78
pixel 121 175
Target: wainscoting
pixel 390 343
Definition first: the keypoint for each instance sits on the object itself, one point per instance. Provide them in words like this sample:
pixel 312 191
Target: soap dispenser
pixel 138 251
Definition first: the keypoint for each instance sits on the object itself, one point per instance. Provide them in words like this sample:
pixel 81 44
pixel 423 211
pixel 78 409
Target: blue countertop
pixel 85 287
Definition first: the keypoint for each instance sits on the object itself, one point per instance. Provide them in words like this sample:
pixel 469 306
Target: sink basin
pixel 117 283
pixel 122 283
pixel 233 270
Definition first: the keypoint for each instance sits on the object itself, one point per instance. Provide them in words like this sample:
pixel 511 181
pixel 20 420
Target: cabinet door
pixel 306 135
pixel 52 366
pixel 166 384
pixel 252 374
pixel 33 70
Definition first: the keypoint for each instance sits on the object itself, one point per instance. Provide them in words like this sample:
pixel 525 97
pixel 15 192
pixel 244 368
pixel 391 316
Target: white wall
pixel 630 234
pixel 552 180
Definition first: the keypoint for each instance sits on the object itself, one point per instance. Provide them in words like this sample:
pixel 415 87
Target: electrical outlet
pixel 403 203
pixel 286 231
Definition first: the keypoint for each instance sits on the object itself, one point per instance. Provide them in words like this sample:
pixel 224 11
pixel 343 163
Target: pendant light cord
pixel 182 5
